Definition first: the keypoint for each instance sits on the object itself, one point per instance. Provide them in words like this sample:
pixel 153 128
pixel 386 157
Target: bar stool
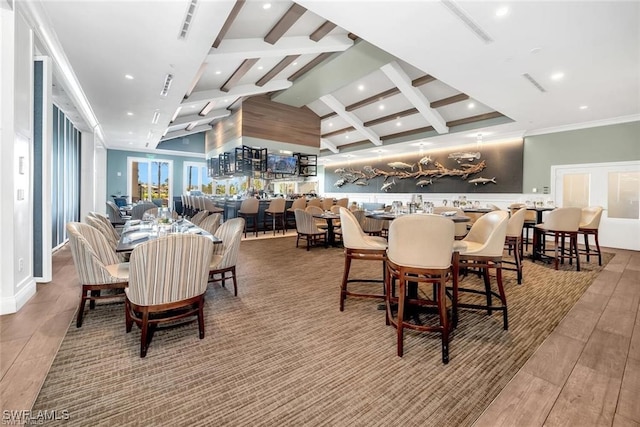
pixel 513 241
pixel 276 212
pixel 482 248
pixel 359 246
pixel 589 224
pixel 420 252
pixel 249 210
pixel 560 223
pixel 529 221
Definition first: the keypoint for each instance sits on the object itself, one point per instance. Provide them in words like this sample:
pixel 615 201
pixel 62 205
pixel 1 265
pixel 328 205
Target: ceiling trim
pixel 391 117
pixel 237 91
pixel 339 131
pixel 413 94
pixel 237 49
pixel 184 132
pixel 325 143
pixel 238 74
pixel 322 31
pixel 450 100
pixel 473 119
pixel 290 17
pixel 196 79
pixel 277 69
pixel 350 118
pixel 215 114
pixel 585 125
pixel 229 21
pixel 311 64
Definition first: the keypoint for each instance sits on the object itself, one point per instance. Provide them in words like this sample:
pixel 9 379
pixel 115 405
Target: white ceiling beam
pixel 181 133
pixel 215 114
pixel 239 49
pixel 402 81
pixel 325 143
pixel 351 118
pixel 235 92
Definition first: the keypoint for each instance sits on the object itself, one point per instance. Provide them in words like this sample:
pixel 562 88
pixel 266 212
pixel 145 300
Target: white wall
pixel 17 284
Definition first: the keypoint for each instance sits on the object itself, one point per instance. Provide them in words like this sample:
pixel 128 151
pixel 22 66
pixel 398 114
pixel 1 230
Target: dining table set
pixel 136 232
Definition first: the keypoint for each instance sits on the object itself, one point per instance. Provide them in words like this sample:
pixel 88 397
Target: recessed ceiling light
pixel 360 87
pixel 193 106
pixel 129 113
pixel 471 105
pixel 557 76
pixel 226 100
pixel 130 143
pixel 398 123
pixel 346 137
pixel 130 133
pixel 535 50
pixel 266 6
pixel 584 107
pixel 218 72
pixel 381 107
pixel 502 11
pixel 294 64
pixel 260 67
pixel 128 76
pixel 330 124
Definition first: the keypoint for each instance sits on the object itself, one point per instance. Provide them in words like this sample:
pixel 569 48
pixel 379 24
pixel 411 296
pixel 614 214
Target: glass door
pixel 615 187
pixel 150 179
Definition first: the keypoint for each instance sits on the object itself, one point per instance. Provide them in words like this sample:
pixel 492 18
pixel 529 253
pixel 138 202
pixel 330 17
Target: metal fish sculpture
pixel 362 183
pixel 425 160
pixel 400 165
pixel 387 185
pixel 424 182
pixel 460 156
pixel 339 170
pixel 368 169
pixel 339 183
pixel 482 181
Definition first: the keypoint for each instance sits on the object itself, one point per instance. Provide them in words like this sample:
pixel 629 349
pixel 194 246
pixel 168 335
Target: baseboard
pixel 12 304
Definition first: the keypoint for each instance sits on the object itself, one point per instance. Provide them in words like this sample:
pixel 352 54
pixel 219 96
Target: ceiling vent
pixel 167 84
pixel 467 20
pixel 186 23
pixel 534 82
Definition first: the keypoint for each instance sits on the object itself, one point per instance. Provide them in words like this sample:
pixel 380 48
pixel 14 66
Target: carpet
pixel 281 353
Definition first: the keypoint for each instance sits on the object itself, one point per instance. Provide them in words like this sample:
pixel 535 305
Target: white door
pixel 614 186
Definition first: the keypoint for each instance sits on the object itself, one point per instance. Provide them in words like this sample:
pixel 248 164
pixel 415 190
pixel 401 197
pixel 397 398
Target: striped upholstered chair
pixel 106 232
pixel 116 218
pixel 138 210
pixel 211 223
pixel 197 218
pixel 97 265
pixel 225 255
pixel 168 280
pixel 307 229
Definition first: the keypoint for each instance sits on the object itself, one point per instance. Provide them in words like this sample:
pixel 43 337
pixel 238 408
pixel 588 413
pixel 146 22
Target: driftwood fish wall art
pixel 427 168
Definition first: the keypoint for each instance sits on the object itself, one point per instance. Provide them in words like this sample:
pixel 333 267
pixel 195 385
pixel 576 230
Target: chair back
pixel 138 210
pixel 439 210
pixel 305 222
pixel 211 206
pixel 114 213
pixel 516 222
pixel 421 241
pixel 250 206
pixel 197 218
pixel 98 225
pixel 530 216
pixel 336 209
pixel 120 201
pixel 563 219
pixel 352 235
pixel 91 253
pixel 277 205
pixel 211 223
pixel 299 203
pixel 327 202
pixel 490 230
pixel 314 210
pixel 231 234
pixel 590 217
pixel 105 221
pixel 169 269
pixel 315 202
pixel 344 202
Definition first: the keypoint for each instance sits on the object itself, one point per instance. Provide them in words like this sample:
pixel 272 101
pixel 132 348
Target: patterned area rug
pixel 281 353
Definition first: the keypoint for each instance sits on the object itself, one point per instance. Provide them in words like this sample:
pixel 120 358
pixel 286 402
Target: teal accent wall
pixel 193 143
pixel 117 162
pixel 612 143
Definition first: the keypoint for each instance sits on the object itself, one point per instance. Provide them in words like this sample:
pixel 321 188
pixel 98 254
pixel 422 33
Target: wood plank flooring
pixel 586 373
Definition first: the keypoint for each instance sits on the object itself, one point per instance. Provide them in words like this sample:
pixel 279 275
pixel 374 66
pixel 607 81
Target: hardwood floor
pixel 587 372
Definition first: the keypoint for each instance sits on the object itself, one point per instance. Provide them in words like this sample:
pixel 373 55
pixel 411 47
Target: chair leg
pixel 556 241
pixel 144 332
pixel 503 297
pixel 235 283
pixel 83 300
pixel 487 287
pixel 128 320
pixel 345 278
pixel 573 239
pixel 586 245
pixel 400 322
pixel 444 323
pixel 201 317
pixel 595 235
pixel 517 256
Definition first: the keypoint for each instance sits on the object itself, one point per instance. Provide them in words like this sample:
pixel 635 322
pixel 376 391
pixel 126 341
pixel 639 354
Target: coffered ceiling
pixel 384 76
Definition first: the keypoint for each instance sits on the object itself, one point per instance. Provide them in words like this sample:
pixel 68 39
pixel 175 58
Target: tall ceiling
pixel 384 76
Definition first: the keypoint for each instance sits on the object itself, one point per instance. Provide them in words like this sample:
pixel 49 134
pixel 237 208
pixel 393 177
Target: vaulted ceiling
pixel 384 76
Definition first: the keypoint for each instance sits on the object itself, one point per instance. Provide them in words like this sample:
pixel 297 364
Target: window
pixel 150 179
pixel 197 178
pixel 575 191
pixel 624 195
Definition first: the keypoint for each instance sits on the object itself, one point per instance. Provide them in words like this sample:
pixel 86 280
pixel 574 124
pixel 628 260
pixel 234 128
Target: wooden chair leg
pixel 235 283
pixel 400 321
pixel 144 331
pixel 127 315
pixel 345 278
pixel 83 300
pixel 201 317
pixel 595 236
pixel 503 297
